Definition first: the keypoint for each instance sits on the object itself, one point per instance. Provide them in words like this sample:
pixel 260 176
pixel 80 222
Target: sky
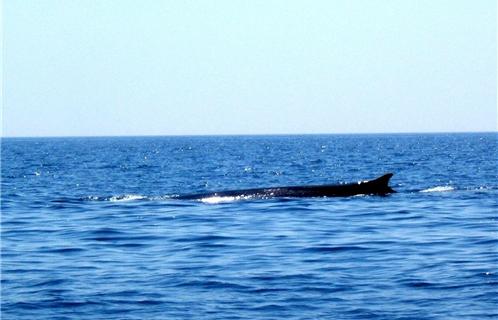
pixel 206 67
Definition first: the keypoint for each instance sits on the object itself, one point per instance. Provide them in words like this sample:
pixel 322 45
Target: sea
pixel 91 229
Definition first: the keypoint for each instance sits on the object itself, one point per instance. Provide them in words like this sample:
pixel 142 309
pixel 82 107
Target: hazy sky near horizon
pixel 119 67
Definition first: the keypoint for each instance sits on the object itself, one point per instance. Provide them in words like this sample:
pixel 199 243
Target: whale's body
pixel 379 186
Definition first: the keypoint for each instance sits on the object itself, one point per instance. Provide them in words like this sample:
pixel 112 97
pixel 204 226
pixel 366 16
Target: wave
pixel 117 198
pixel 127 197
pixel 224 199
pixel 439 189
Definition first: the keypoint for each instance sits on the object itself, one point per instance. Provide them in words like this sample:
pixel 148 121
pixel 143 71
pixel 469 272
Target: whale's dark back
pixel 379 186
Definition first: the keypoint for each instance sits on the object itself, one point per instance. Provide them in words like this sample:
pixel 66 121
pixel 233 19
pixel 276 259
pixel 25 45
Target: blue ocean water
pixel 90 229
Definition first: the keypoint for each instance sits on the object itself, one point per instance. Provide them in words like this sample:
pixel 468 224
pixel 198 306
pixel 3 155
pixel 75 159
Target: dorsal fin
pixel 382 181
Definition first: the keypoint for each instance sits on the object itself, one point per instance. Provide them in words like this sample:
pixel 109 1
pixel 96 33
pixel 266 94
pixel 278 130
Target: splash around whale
pixel 379 186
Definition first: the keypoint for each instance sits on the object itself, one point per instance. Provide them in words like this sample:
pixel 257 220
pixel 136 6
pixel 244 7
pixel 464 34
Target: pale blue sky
pixel 117 67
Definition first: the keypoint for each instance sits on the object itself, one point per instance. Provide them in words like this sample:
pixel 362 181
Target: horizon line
pixel 243 134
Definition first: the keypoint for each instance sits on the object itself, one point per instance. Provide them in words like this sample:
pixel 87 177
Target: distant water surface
pixel 90 229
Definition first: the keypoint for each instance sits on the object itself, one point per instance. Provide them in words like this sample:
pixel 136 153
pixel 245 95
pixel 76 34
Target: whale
pixel 379 186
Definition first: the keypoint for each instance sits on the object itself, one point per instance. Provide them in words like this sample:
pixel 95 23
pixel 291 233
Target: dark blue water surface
pixel 90 231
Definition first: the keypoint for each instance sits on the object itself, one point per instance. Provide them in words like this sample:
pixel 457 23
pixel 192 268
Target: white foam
pixel 218 199
pixel 439 189
pixel 126 197
pixel 213 200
